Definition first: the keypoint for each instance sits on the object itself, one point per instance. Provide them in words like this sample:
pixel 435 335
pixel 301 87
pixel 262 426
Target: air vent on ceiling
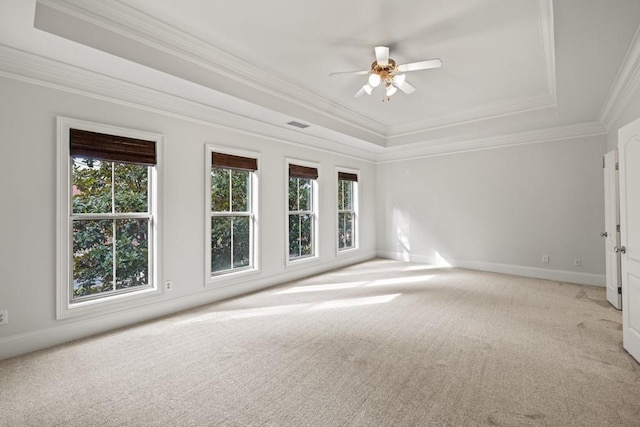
pixel 298 124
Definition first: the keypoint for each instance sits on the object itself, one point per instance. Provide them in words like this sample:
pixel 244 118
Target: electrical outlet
pixel 168 285
pixel 545 259
pixel 4 317
pixel 577 262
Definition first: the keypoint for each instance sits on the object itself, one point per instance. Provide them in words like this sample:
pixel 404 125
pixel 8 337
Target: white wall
pixel 499 210
pixel 28 215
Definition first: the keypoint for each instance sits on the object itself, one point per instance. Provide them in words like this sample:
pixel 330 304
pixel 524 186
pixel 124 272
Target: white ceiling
pixel 492 50
pixel 508 65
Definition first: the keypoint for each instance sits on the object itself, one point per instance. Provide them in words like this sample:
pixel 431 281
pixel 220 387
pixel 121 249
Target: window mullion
pixel 113 189
pixel 113 243
pixel 250 238
pixel 230 173
pixel 299 235
pixel 70 279
pixel 230 192
pixel 113 231
pixel 249 193
pixel 231 251
pixel 313 233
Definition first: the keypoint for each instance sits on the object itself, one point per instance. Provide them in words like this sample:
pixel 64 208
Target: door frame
pixel 612 228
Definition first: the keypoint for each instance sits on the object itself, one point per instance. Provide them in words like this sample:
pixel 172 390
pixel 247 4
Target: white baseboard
pixel 71 330
pixel 516 270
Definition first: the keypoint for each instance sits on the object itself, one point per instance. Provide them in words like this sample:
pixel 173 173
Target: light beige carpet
pixel 381 343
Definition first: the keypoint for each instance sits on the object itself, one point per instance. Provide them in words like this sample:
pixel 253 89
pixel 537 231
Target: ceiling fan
pixel 385 71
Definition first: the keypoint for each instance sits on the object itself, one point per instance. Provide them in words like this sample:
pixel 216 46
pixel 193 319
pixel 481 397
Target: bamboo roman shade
pixel 296 171
pixel 229 161
pixel 347 176
pixel 112 148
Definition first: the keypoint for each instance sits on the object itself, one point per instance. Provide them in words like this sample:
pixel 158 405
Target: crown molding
pixel 626 83
pixel 23 66
pixel 445 146
pixel 128 22
pixel 494 111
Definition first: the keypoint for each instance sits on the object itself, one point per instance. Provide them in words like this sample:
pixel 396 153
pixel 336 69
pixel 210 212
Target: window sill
pixel 347 252
pixel 222 280
pixel 106 305
pixel 302 261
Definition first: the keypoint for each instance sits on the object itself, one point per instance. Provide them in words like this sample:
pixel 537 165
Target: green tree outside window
pixel 231 219
pixel 346 215
pixel 111 225
pixel 301 217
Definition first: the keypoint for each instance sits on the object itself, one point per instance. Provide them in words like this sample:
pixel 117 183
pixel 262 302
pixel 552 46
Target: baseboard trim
pixel 516 270
pixel 71 330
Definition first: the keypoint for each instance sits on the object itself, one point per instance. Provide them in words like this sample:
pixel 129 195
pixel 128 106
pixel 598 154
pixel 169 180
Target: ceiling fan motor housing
pixel 385 72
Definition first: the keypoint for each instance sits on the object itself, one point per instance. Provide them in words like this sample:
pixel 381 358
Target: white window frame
pixel 230 277
pixel 65 308
pixel 356 210
pixel 314 212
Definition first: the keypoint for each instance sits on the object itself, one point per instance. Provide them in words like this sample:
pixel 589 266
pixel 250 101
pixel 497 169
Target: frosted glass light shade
pixel 391 90
pixel 398 79
pixel 374 80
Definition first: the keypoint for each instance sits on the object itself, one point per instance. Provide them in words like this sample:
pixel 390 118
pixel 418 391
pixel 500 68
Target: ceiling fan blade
pixel 420 65
pixel 355 73
pixel 382 55
pixel 406 87
pixel 364 89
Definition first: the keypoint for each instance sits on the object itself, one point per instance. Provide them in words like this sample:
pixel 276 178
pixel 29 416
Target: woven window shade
pixel 229 161
pixel 296 171
pixel 111 148
pixel 347 176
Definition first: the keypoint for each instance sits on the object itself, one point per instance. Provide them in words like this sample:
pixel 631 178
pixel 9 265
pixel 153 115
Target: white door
pixel 610 233
pixel 629 153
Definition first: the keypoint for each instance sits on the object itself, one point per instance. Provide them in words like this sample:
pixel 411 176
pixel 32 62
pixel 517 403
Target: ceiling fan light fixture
pixel 398 79
pixel 391 90
pixel 374 80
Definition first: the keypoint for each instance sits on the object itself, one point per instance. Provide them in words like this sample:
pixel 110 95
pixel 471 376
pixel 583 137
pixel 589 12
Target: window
pixel 107 195
pixel 231 217
pixel 302 211
pixel 347 198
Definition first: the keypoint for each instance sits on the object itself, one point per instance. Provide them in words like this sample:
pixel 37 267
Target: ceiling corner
pixel 627 81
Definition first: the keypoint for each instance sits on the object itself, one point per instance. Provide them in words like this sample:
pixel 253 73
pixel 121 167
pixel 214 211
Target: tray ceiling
pixel 508 66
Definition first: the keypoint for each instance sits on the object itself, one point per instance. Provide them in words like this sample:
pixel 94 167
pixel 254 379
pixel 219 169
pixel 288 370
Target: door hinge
pixel 618 228
pixel 620 291
pixel 617 166
pixel 602 162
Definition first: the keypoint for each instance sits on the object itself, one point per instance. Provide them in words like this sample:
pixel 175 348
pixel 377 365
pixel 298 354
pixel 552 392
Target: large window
pixel 347 210
pixel 302 211
pixel 232 213
pixel 108 239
